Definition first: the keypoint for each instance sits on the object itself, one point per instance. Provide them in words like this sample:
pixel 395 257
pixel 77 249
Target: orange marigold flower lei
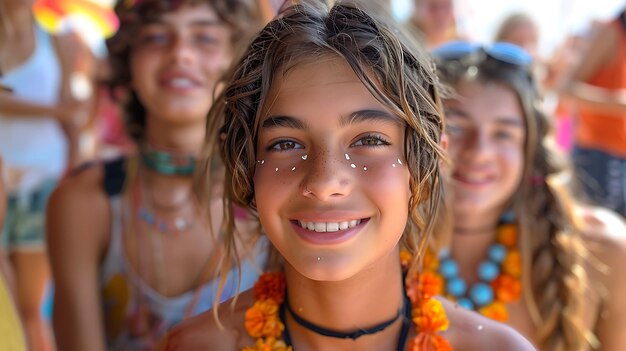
pixel 427 313
pixel 263 322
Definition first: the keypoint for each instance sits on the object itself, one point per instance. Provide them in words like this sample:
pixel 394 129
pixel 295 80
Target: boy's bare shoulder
pixel 202 332
pixel 471 331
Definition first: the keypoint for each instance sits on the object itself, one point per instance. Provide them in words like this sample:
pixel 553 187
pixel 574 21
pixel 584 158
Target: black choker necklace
pixel 340 335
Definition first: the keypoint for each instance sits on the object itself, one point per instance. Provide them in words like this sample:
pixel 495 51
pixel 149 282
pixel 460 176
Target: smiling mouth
pixel 323 227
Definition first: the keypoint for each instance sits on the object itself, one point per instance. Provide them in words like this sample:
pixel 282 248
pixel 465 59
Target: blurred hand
pixel 74 113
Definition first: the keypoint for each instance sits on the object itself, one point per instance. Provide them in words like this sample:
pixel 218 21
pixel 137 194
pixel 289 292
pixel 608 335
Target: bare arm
pixel 610 229
pixel 599 53
pixel 78 221
pixel 14 106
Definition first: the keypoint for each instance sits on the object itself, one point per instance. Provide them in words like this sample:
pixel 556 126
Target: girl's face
pixel 176 62
pixel 487 133
pixel 331 185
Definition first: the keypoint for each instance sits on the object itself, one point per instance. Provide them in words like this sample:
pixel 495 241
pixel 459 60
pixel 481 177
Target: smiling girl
pixel 524 251
pixel 331 130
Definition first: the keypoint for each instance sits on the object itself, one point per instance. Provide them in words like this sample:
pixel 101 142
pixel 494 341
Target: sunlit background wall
pixel 478 19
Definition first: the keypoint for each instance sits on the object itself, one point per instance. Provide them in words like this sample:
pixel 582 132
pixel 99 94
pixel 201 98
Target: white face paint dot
pixel 480 327
pixel 365 168
pixel 352 165
pixel 262 161
pixel 305 157
pixel 394 165
pixel 276 169
pixel 293 169
pixel 319 258
pixel 347 157
pixel 400 162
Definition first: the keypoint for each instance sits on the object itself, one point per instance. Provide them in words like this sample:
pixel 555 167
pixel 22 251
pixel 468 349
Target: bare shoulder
pixel 79 207
pixel 471 331
pixel 202 332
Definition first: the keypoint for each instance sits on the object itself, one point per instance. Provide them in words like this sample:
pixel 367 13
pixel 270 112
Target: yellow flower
pixel 262 320
pixel 496 311
pixel 430 316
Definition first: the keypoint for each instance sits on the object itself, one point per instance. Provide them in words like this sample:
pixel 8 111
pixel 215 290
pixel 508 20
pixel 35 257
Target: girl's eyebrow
pixel 361 116
pixel 283 122
pixel 192 23
pixel 506 120
pixel 370 115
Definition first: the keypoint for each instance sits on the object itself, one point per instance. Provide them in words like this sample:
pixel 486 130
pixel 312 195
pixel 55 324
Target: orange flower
pixel 496 311
pixel 507 288
pixel 270 286
pixel 262 320
pixel 431 261
pixel 429 342
pixel 507 235
pixel 405 258
pixel 269 344
pixel 512 263
pixel 430 317
pixel 431 284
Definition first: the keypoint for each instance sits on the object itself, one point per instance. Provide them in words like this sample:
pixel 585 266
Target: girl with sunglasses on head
pixel 331 131
pixel 133 251
pixel 523 250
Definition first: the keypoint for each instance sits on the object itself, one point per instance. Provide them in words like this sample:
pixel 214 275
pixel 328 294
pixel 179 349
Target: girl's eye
pixel 285 145
pixel 371 140
pixel 206 39
pixel 504 135
pixel 454 129
pixel 154 39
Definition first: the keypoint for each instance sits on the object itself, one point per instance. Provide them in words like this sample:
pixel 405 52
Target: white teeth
pixel 332 227
pixel 181 82
pixel 322 227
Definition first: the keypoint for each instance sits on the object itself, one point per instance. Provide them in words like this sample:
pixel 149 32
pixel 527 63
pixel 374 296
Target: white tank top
pixel 35 146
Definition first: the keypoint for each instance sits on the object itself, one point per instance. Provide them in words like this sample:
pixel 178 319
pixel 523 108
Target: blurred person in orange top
pixel 598 87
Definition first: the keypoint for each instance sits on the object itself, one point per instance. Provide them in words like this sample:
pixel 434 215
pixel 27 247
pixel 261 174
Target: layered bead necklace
pixel 165 163
pixel 499 275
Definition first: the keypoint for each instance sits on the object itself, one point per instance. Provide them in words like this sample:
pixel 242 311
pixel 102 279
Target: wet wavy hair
pixel 242 17
pixel 397 73
pixel 554 282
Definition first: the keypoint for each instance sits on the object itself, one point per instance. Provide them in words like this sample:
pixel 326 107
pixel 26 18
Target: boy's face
pixel 176 62
pixel 331 184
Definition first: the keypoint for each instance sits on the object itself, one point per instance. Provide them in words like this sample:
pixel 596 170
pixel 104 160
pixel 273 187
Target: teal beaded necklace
pixel 168 163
